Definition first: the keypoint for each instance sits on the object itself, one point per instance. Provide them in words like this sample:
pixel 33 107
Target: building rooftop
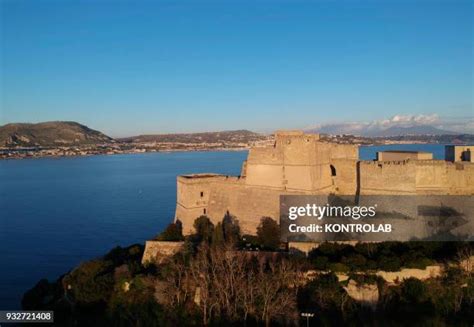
pixel 289 133
pixel 403 151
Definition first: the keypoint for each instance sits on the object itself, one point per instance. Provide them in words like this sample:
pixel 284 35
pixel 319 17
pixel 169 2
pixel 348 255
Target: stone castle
pixel 303 164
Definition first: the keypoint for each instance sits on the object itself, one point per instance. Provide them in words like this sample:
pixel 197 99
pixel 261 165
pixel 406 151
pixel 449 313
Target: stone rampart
pixel 157 251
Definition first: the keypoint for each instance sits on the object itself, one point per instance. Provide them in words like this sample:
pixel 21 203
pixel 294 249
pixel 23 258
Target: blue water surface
pixel 57 212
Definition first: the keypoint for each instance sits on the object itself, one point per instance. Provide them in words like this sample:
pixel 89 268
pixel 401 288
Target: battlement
pixel 433 162
pixel 283 133
pixel 202 175
pixel 283 138
pixel 388 163
pixel 199 178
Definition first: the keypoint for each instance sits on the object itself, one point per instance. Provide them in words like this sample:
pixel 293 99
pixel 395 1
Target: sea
pixel 58 212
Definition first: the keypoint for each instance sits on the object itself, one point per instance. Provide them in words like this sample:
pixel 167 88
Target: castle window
pixel 202 194
pixel 204 211
pixel 333 170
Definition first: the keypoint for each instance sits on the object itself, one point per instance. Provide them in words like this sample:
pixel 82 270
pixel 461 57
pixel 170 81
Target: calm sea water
pixel 58 212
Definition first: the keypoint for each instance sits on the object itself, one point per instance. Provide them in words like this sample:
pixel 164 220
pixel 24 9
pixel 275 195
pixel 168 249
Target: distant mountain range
pixel 57 133
pixel 379 131
pixel 413 130
pixel 238 136
pixel 62 133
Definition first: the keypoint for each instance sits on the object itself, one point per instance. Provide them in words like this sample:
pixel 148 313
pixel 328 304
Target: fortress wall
pixel 194 191
pixel 460 177
pixel 190 203
pixel 418 176
pixel 264 167
pixel 323 153
pixel 442 177
pixel 344 151
pixel 296 163
pixel 247 204
pixel 243 170
pixel 345 181
pixel 403 155
pixel 264 155
pixel 301 164
pixel 187 216
pixel 300 150
pixel 157 251
pixel 265 175
pixel 221 195
pixel 321 178
pixel 431 177
pixel 387 177
pixel 299 177
pixel 308 178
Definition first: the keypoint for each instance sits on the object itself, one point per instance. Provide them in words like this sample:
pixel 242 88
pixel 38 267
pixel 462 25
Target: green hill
pixel 58 133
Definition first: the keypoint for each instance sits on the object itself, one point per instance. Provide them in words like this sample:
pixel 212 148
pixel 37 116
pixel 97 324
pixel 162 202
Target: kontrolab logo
pixel 320 212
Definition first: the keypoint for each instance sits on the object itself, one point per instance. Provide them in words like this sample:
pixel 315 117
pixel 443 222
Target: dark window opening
pixel 333 170
pixel 204 211
pixel 202 194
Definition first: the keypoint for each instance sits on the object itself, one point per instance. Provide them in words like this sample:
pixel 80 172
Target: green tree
pixel 91 282
pixel 174 232
pixel 218 235
pixel 413 291
pixel 204 229
pixel 231 228
pixel 268 233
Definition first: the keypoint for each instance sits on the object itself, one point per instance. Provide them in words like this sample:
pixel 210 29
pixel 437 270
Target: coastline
pixel 114 149
pixel 11 155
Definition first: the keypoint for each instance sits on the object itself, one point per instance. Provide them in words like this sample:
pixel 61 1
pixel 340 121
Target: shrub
pixel 204 229
pixel 174 232
pixel 320 262
pixel 91 282
pixel 268 233
pixel 389 263
pixel 338 267
pixel 413 291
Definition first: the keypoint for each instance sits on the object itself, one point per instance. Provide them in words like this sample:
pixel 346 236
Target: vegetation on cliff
pixel 386 256
pixel 217 280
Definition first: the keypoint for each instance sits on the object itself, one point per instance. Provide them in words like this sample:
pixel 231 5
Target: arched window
pixel 333 170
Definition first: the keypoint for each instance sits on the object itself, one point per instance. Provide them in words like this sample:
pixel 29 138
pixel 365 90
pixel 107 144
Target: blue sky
pixel 134 67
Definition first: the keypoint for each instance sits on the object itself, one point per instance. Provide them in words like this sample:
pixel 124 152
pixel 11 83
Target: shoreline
pixel 41 156
pixel 88 151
